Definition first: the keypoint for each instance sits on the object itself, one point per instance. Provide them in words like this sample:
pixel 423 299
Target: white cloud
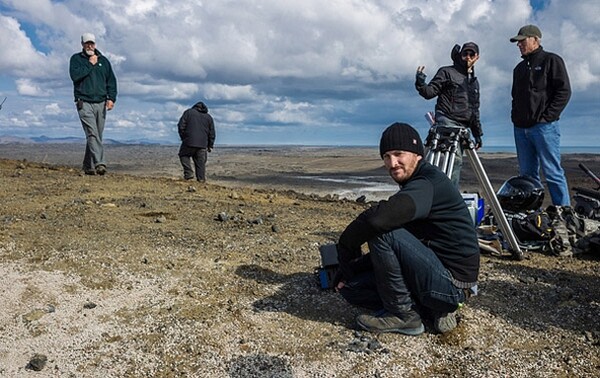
pixel 337 64
pixel 53 109
pixel 23 59
pixel 27 87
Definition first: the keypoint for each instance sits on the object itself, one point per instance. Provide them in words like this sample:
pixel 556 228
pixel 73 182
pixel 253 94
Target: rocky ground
pixel 147 275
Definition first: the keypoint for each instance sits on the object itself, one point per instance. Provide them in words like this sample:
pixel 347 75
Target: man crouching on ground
pixel 423 258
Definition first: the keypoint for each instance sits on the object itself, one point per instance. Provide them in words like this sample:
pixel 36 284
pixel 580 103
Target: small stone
pixel 374 345
pixel 37 362
pixel 89 305
pixel 33 315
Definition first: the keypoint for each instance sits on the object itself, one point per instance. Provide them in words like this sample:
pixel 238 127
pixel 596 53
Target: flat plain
pixel 141 274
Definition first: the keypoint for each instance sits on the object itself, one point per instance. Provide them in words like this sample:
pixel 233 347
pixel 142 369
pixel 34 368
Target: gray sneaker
pixel 408 323
pixel 445 322
pixel 101 169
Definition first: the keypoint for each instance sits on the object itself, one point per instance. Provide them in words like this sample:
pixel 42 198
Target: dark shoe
pixel 101 170
pixel 201 181
pixel 445 322
pixel 90 172
pixel 408 323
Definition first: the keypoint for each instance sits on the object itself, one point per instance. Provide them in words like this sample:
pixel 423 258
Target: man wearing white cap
pixel 95 90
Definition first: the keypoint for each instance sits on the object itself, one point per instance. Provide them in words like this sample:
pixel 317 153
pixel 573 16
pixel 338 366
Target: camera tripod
pixel 442 144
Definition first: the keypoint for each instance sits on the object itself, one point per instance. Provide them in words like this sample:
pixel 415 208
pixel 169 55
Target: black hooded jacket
pixel 457 93
pixel 196 127
pixel 540 90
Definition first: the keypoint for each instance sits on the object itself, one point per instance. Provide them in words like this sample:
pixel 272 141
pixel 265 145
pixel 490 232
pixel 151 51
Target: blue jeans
pixel 540 146
pixel 408 273
pixel 92 117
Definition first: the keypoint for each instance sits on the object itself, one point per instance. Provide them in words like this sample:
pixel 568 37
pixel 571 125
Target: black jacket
pixel 540 90
pixel 430 208
pixel 457 93
pixel 196 127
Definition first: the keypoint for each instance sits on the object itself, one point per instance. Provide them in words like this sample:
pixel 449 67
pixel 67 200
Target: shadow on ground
pixel 538 298
pixel 299 295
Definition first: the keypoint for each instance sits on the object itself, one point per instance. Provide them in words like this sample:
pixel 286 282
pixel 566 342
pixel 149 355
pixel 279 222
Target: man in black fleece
pixel 540 92
pixel 423 251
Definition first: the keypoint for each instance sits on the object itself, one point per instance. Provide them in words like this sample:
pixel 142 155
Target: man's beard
pixel 90 52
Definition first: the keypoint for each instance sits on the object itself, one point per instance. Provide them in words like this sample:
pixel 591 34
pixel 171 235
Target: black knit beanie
pixel 401 136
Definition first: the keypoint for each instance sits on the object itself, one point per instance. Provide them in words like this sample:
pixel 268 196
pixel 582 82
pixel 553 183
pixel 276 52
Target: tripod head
pixel 442 138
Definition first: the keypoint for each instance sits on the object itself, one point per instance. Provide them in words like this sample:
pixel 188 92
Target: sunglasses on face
pixel 468 53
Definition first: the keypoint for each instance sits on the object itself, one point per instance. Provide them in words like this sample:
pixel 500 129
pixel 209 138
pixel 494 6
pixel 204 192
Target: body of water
pixel 563 149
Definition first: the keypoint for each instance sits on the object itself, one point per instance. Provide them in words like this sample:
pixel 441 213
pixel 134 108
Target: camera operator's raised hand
pixel 478 142
pixel 420 77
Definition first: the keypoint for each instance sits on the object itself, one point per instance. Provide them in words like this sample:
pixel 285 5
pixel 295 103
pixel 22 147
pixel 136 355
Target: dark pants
pixel 199 156
pixel 406 275
pixel 361 291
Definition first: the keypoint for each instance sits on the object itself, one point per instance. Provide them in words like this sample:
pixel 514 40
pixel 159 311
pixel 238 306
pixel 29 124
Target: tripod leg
pixel 496 208
pixel 445 162
pixel 452 157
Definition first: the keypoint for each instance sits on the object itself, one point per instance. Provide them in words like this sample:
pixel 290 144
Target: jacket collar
pixel 534 54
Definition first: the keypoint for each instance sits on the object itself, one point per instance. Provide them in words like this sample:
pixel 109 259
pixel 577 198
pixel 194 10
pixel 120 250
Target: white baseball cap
pixel 88 37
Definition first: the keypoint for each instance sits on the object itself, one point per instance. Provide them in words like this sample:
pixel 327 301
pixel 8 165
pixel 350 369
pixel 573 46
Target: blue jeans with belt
pixel 406 274
pixel 539 146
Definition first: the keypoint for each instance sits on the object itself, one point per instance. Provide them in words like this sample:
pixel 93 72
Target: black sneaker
pixel 101 170
pixel 89 172
pixel 408 323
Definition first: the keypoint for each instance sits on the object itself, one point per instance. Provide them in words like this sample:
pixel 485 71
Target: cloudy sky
pixel 316 72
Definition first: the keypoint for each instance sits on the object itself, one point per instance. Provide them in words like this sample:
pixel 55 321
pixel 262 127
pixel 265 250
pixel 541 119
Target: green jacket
pixel 92 83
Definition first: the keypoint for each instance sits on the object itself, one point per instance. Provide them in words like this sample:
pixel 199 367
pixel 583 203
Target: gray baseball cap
pixel 527 31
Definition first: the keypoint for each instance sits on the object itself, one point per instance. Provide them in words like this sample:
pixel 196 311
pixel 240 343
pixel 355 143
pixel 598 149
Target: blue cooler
pixel 476 206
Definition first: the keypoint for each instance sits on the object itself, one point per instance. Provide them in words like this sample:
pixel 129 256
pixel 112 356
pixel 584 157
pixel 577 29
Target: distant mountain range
pixel 7 139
